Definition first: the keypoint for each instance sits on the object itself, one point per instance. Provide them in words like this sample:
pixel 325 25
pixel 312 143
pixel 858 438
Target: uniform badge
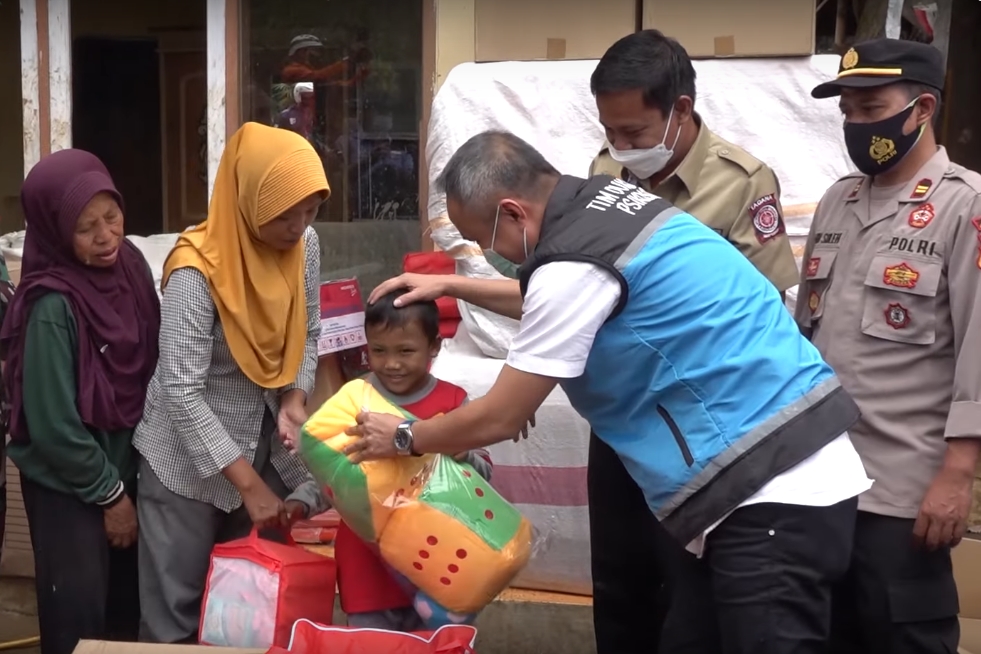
pixel 858 187
pixel 849 60
pixel 813 301
pixel 901 276
pixel 766 218
pixel 922 188
pixel 977 225
pixel 812 266
pixel 897 316
pixel 921 216
pixel 882 149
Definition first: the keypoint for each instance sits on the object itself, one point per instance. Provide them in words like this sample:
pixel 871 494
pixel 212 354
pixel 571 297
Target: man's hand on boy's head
pixel 420 288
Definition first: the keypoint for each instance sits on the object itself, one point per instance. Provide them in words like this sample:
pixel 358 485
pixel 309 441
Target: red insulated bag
pixel 258 589
pixel 310 638
pixel 437 263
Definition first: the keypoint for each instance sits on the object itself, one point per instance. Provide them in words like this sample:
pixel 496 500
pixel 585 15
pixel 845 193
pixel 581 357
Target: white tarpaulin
pixel 763 105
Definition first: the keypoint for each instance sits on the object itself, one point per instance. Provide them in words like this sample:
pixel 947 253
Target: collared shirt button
pixel 724 151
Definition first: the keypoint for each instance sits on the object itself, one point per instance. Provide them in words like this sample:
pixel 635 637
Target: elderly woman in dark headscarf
pixel 80 345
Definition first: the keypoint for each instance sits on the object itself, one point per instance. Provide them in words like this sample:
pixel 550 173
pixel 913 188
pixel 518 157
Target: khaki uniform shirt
pixel 730 191
pixel 891 296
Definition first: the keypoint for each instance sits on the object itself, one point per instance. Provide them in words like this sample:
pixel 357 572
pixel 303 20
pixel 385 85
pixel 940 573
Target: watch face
pixel 403 441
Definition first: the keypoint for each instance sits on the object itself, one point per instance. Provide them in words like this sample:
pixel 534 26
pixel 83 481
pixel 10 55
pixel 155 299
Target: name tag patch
pixel 913 245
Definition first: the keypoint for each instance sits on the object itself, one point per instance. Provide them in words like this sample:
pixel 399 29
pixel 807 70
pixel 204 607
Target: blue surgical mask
pixel 504 266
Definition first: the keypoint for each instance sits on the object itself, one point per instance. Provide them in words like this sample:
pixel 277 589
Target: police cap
pixel 885 61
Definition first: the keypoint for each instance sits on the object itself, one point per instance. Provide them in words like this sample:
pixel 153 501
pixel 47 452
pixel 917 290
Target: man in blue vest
pixel 681 356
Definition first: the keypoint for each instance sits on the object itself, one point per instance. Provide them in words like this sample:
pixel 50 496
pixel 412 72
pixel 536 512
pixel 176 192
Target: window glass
pixel 347 77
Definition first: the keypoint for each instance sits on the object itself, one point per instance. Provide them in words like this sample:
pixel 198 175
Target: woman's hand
pixel 292 415
pixel 120 523
pixel 265 508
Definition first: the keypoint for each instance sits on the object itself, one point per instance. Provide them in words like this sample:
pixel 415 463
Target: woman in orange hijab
pixel 238 356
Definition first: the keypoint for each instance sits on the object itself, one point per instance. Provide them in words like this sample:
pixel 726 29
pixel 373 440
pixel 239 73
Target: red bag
pixel 310 638
pixel 258 589
pixel 437 263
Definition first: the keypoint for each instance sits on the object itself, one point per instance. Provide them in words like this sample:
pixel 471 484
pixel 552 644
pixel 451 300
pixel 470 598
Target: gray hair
pixel 490 166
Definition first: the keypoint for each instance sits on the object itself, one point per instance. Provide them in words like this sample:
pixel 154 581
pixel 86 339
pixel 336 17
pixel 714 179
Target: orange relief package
pixel 310 638
pixel 258 589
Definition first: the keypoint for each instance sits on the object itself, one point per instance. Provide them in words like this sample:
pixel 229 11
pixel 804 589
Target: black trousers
pixel 896 597
pixel 85 588
pixel 765 583
pixel 630 552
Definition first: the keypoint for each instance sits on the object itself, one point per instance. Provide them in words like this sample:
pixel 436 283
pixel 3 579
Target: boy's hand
pixel 462 456
pixel 523 434
pixel 295 511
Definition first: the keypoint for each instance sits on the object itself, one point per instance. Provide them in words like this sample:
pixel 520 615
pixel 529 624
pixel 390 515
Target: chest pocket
pixel 817 278
pixel 900 299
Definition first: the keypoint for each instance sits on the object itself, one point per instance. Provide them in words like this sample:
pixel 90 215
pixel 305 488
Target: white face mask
pixel 644 163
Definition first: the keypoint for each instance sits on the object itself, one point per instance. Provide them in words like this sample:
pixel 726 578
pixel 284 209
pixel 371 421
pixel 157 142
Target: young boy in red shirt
pixel 402 343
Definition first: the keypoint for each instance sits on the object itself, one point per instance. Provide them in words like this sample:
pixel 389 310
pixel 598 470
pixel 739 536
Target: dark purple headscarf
pixel 116 309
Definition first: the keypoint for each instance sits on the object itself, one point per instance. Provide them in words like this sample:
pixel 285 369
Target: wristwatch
pixel 403 439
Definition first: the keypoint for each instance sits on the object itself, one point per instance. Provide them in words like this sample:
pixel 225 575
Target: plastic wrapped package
pixel 439 526
pixel 257 590
pixel 318 529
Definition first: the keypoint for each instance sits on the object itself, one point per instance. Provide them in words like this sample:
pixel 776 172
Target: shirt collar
pixel 690 169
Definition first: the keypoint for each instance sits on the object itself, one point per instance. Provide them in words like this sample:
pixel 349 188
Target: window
pixel 348 77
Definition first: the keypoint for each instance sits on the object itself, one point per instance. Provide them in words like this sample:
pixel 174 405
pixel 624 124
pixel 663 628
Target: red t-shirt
pixel 363 581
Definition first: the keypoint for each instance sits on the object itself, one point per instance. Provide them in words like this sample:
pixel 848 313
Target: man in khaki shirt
pixel 645 92
pixel 891 296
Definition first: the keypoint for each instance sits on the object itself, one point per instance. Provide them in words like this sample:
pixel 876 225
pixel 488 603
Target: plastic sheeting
pixel 763 105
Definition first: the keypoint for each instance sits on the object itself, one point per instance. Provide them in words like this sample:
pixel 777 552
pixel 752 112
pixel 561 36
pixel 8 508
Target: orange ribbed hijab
pixel 257 290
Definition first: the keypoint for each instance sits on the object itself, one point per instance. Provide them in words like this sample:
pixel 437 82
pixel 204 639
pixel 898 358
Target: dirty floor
pixel 17 612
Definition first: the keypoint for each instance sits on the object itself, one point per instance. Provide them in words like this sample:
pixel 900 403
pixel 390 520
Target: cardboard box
pixel 970 637
pixel 103 647
pixel 722 28
pixel 967 572
pixel 516 30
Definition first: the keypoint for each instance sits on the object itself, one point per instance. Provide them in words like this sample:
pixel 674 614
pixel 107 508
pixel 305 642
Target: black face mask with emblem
pixel 877 147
